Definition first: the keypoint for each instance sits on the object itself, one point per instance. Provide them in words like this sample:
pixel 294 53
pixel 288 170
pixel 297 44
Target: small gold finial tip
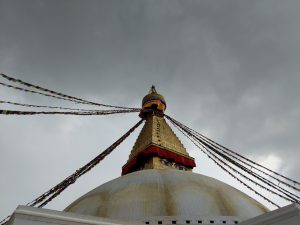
pixel 152 89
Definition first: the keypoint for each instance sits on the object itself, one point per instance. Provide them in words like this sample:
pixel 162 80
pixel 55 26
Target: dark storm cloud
pixel 229 69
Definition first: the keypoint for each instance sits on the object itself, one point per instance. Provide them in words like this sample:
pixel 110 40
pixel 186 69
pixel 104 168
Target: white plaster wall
pixel 24 215
pixel 288 215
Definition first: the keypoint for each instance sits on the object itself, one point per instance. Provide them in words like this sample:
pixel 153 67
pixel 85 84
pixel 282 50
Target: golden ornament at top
pixel 153 100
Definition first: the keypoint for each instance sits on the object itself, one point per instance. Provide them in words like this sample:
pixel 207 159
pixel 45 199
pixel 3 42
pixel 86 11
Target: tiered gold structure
pixel 157 146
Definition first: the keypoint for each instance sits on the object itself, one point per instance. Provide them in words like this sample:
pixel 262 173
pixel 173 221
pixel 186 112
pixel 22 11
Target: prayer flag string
pixel 250 162
pixel 79 113
pixel 55 93
pixel 48 196
pixel 218 156
pixel 44 106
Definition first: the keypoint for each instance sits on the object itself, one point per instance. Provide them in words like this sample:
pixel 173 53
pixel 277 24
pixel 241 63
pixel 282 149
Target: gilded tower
pixel 157 146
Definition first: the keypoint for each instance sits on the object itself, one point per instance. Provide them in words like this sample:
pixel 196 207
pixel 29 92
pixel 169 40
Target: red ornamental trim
pixel 156 151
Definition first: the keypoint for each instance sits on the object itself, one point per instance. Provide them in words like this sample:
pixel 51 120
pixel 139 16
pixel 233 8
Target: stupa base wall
pixel 25 215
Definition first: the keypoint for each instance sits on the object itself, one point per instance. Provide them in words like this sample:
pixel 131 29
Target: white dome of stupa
pixel 153 193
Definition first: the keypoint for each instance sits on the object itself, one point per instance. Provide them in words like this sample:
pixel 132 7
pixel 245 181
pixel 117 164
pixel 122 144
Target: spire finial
pixel 152 90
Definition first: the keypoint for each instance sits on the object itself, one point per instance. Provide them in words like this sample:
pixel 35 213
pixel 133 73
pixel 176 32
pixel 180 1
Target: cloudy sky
pixel 229 69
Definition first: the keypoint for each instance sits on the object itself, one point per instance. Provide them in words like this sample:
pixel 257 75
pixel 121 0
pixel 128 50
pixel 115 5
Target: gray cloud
pixel 228 69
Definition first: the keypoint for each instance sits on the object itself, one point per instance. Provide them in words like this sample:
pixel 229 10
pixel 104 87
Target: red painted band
pixel 156 151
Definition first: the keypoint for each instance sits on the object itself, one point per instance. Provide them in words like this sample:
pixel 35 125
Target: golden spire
pixel 157 146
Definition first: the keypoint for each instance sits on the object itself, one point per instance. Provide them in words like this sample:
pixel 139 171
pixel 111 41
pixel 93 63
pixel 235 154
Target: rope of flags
pixel 35 89
pixel 51 93
pixel 219 163
pixel 57 95
pixel 43 106
pixel 48 196
pixel 83 113
pixel 242 166
pixel 290 195
pixel 36 92
pixel 253 164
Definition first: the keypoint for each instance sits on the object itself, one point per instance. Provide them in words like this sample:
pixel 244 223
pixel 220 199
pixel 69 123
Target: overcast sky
pixel 229 69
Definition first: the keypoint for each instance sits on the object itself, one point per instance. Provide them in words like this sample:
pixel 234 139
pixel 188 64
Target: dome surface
pixel 158 193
